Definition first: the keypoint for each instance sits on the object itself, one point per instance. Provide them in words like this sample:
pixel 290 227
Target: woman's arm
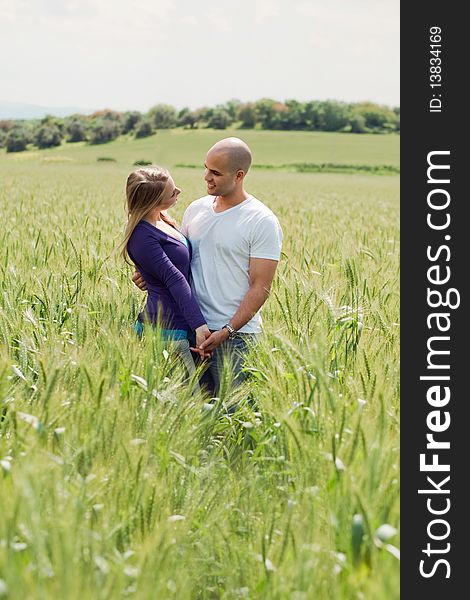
pixel 147 252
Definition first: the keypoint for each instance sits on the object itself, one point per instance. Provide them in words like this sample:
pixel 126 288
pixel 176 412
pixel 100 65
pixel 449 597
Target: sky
pixel 133 54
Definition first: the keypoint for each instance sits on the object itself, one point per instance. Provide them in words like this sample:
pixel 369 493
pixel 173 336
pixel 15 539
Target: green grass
pixel 312 168
pixel 115 481
pixel 179 146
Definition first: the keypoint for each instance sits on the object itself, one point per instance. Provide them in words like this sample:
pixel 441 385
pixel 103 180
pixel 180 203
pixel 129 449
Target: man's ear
pixel 240 174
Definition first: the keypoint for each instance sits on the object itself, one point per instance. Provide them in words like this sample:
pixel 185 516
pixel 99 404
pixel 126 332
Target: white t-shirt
pixel 222 245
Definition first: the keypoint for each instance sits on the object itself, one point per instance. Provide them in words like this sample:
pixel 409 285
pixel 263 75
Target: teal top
pixel 167 334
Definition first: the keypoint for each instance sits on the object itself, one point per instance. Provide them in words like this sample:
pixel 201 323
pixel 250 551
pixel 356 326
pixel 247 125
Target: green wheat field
pixel 117 482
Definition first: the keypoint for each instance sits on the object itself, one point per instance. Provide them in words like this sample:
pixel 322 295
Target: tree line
pixel 106 125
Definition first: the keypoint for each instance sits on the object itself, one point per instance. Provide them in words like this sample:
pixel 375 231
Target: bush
pixel 76 130
pixel 103 130
pixel 6 125
pixel 142 163
pixel 163 116
pixel 48 136
pixel 130 121
pixel 105 159
pixel 220 119
pixel 17 139
pixel 247 116
pixel 186 118
pixel 109 115
pixel 332 115
pixel 3 138
pixel 144 129
pixel 358 124
pixel 376 117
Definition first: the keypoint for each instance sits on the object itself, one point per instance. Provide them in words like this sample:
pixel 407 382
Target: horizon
pixel 66 111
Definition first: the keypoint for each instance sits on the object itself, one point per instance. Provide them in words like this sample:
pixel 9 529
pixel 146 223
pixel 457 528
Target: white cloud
pixel 266 9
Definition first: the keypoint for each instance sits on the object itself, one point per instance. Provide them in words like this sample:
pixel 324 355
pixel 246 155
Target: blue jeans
pixel 232 352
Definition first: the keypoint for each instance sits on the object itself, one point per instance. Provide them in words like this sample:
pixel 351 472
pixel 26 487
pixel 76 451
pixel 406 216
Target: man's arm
pixel 261 271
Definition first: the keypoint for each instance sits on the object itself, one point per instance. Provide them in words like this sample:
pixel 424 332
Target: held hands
pixel 139 281
pixel 202 333
pixel 215 339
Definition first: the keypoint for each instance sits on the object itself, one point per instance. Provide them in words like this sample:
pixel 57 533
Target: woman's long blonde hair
pixel 145 189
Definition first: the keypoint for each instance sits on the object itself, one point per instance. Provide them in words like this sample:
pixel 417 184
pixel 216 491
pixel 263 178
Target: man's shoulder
pixel 260 209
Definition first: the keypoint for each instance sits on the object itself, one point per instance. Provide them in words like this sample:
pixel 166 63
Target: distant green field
pixel 171 147
pixel 114 480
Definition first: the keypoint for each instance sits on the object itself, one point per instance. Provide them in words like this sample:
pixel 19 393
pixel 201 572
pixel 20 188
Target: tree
pixel 6 125
pixel 17 139
pixel 103 130
pixel 280 116
pixel 186 118
pixel 76 129
pixel 163 116
pixel 204 114
pixel 311 118
pixel 265 112
pixel 247 115
pixel 377 117
pixel 295 117
pixel 220 119
pixel 144 129
pixel 358 124
pixel 332 115
pixel 108 114
pixel 232 107
pixel 47 136
pixel 130 120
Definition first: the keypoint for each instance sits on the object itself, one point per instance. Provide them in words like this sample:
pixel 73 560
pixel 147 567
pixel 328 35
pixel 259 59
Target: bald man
pixel 236 246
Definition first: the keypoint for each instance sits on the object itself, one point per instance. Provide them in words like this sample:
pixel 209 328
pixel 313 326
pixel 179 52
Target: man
pixel 236 242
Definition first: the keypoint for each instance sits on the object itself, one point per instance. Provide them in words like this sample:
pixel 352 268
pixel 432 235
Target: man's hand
pixel 139 281
pixel 215 339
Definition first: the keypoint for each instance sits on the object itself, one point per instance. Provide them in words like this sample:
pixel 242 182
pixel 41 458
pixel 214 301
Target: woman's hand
pixel 202 333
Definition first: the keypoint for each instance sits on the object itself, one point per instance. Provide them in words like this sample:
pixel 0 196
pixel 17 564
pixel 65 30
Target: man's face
pixel 220 180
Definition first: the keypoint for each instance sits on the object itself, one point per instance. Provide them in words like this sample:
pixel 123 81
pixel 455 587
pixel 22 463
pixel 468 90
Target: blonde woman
pixel 162 254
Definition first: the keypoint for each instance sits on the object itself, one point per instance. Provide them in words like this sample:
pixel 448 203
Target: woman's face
pixel 170 197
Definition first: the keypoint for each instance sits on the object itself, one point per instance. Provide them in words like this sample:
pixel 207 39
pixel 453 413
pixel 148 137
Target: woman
pixel 162 255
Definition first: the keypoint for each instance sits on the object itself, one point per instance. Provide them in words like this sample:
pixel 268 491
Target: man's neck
pixel 222 203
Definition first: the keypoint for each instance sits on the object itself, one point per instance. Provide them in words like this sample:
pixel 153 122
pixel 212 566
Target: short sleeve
pixel 267 239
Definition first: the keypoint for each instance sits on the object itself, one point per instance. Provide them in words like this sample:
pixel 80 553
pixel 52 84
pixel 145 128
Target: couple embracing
pixel 207 280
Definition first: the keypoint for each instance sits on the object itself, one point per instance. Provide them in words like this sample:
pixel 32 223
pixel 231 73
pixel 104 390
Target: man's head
pixel 227 163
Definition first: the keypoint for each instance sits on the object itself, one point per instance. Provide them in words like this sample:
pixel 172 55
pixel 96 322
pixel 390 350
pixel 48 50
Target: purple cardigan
pixel 163 262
